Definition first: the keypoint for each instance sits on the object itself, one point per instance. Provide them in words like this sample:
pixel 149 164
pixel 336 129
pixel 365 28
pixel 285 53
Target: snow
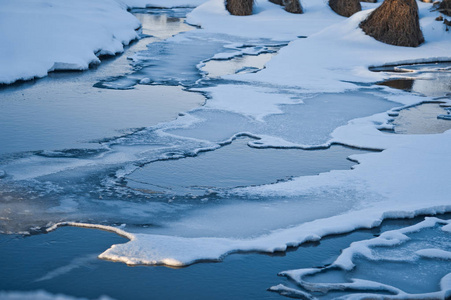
pixel 38 37
pixel 409 177
pixel 330 59
pixel 434 253
pixel 254 103
pixel 268 20
pixel 116 230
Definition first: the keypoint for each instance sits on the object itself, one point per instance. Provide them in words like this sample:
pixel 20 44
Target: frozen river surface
pixel 162 147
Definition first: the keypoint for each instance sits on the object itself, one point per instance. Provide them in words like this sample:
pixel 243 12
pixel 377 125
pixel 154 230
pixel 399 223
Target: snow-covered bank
pixel 268 21
pixel 37 37
pixel 331 59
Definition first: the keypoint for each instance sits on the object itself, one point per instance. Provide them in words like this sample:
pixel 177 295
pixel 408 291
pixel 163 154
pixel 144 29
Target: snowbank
pixel 329 60
pixel 268 21
pixel 42 36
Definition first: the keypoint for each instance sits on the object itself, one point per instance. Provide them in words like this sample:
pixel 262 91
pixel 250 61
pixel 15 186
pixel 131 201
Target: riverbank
pixel 40 37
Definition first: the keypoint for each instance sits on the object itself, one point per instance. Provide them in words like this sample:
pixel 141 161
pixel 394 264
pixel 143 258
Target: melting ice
pixel 262 166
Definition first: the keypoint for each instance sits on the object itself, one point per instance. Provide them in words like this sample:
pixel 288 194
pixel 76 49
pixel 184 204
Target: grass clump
pixel 395 22
pixel 291 6
pixel 345 8
pixel 240 7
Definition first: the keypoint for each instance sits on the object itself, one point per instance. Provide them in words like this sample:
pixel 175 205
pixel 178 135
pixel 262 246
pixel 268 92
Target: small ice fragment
pixel 434 253
pixel 444 117
pixel 447 228
pixel 144 81
pixel 2 174
pixel 290 292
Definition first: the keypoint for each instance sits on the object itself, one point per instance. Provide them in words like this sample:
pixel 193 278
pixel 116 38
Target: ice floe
pixel 396 246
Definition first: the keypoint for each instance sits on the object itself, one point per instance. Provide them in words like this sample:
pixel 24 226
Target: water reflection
pixel 163 24
pixel 421 119
pixel 241 64
pixel 432 79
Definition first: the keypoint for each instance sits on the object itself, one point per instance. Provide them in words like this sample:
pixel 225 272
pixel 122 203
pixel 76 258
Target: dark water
pixel 428 79
pixel 64 261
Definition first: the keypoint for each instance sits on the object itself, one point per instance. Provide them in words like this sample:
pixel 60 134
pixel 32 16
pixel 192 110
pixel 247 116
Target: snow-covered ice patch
pixel 42 36
pixel 403 246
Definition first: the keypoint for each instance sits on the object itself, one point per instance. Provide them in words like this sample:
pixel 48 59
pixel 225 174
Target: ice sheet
pixel 395 259
pixel 279 113
pixel 236 165
pixel 316 92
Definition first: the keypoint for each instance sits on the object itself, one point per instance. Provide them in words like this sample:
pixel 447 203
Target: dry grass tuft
pixel 278 2
pixel 444 7
pixel 240 7
pixel 345 8
pixel 293 6
pixel 395 22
